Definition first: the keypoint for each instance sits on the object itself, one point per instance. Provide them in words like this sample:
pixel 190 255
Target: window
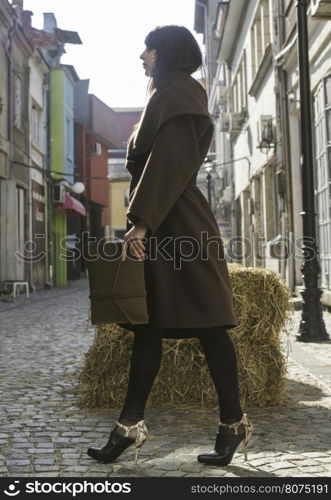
pixel 260 35
pixel 327 93
pixel 35 124
pixel 256 46
pixel 17 102
pixel 69 138
pixel 322 118
pixel 270 202
pixel 239 87
pixel 289 17
pixel 265 24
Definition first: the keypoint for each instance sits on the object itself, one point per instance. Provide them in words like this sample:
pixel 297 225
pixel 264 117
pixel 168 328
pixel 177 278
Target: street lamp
pixel 221 165
pixel 78 187
pixel 312 327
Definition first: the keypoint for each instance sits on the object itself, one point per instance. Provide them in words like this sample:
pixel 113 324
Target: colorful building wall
pixel 62 158
pixel 97 168
pixel 56 126
pixel 39 270
pixel 117 194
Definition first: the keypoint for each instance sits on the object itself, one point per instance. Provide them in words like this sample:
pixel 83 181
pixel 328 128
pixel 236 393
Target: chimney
pixel 49 22
pixel 18 8
pixel 19 4
pixel 26 21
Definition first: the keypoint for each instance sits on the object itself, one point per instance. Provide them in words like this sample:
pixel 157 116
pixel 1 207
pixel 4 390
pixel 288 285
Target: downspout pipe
pixel 207 44
pixel 10 98
pixel 30 214
pixel 49 184
pixel 283 131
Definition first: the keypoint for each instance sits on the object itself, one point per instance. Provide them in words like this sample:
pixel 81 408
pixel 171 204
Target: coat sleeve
pixel 173 160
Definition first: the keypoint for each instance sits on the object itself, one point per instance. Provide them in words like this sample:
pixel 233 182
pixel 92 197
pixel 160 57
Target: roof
pixel 103 123
pixel 66 36
pixel 82 101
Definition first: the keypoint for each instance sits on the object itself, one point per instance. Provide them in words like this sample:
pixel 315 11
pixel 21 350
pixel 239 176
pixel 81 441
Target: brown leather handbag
pixel 117 289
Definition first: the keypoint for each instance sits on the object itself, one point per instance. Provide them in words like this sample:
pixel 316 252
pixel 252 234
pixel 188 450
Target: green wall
pixel 59 232
pixel 57 132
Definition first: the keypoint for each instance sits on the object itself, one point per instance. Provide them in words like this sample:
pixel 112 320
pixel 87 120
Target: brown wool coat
pixel 165 153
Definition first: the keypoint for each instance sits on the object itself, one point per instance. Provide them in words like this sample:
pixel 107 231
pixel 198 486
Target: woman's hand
pixel 134 238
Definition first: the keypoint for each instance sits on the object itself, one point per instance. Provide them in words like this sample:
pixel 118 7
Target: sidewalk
pixel 43 433
pixel 315 357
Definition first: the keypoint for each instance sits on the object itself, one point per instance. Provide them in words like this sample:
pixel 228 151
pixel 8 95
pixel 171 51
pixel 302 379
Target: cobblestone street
pixel 44 433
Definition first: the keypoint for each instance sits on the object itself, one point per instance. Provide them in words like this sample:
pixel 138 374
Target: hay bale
pixel 262 304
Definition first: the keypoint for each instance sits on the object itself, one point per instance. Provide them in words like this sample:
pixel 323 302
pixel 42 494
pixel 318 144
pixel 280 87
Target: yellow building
pixel 119 177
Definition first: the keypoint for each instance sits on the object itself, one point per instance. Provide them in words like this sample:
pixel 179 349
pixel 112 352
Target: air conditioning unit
pixel 236 121
pixel 224 121
pixel 321 9
pixel 58 193
pixel 95 148
pixel 222 95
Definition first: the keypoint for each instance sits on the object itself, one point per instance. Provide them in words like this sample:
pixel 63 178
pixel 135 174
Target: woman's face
pixel 148 57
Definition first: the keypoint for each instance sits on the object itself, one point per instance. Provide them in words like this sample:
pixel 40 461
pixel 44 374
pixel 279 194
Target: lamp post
pixel 312 327
pixel 209 177
pixel 209 162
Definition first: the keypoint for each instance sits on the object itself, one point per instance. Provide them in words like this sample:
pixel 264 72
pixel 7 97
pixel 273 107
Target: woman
pixel 173 229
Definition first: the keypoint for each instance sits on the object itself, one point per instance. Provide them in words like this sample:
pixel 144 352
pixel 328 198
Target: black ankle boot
pixel 226 443
pixel 117 443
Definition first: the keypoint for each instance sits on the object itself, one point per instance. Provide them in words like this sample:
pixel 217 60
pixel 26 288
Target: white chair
pixel 16 284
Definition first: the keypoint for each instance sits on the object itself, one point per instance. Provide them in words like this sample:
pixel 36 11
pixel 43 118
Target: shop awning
pixel 73 205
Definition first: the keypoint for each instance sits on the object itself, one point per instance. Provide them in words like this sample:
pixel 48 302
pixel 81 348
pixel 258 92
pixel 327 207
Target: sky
pixel 113 34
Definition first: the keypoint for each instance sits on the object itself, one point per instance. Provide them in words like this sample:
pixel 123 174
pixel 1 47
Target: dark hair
pixel 176 49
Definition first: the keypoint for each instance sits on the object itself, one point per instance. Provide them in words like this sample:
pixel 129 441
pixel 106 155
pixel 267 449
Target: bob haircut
pixel 176 49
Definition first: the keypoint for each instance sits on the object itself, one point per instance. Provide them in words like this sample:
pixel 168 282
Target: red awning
pixel 73 205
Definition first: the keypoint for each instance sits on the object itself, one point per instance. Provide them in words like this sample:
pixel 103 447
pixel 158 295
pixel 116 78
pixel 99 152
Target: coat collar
pixel 178 94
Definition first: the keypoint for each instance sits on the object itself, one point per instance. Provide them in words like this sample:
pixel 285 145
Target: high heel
pixel 226 443
pixel 117 443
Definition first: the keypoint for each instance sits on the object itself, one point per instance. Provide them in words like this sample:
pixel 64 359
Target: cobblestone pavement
pixel 44 433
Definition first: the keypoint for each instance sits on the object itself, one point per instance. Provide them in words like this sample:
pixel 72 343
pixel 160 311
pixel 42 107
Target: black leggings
pixel 145 363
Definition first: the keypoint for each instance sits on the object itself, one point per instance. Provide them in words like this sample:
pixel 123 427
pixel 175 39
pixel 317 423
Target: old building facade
pixel 15 54
pixel 53 161
pixel 119 177
pixel 254 98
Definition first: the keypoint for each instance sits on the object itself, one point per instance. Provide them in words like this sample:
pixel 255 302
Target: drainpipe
pixel 10 100
pixel 283 141
pixel 284 132
pixel 289 188
pixel 48 189
pixel 32 286
pixel 208 45
pixel 30 182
